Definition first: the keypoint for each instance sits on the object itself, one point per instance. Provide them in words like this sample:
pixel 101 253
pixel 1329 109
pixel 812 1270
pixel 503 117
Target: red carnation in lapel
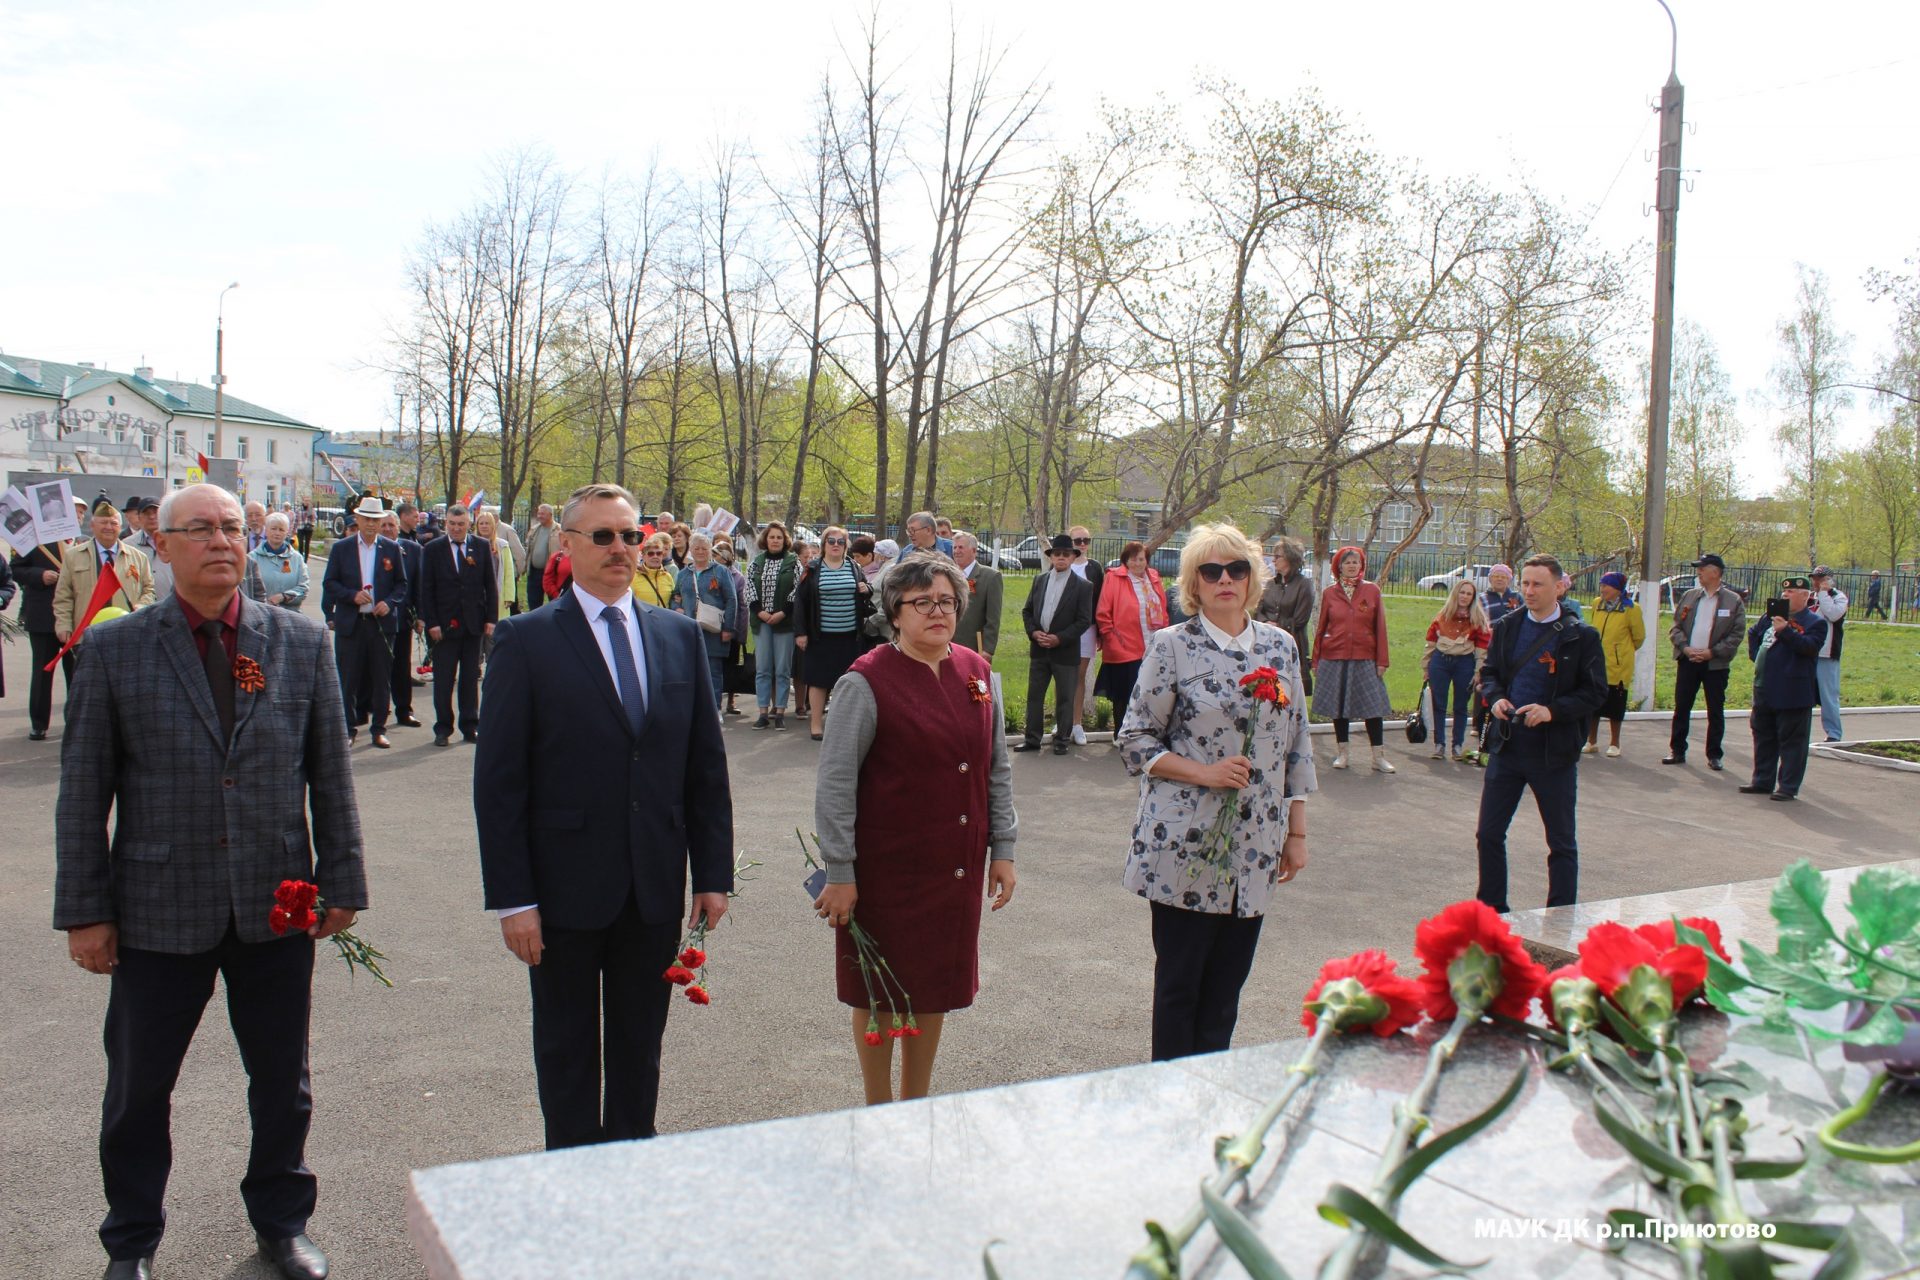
pixel 386 564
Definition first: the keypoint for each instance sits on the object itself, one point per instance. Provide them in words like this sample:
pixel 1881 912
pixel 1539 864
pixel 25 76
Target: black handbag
pixel 1416 720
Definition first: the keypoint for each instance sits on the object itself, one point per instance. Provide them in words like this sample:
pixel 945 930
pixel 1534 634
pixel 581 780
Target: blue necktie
pixel 630 697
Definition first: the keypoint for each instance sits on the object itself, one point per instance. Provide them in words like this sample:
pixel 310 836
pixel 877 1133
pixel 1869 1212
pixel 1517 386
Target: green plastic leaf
pixel 1760 1170
pixel 1886 906
pixel 1641 1075
pixel 1805 1235
pixel 1649 1153
pixel 1345 1207
pixel 1159 1260
pixel 1799 906
pixel 1423 1156
pixel 1240 1237
pixel 986 1260
pixel 1884 1027
pixel 1798 983
pixel 1634 1038
pixel 1746 1260
pixel 1843 1258
pixel 1719 999
pixel 1645 1229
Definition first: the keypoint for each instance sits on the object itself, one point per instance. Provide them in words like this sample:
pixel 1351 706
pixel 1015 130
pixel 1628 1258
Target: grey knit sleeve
pixel 837 783
pixel 1003 824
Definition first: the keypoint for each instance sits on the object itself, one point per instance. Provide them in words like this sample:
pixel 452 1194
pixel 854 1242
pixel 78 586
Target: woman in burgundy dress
pixel 914 789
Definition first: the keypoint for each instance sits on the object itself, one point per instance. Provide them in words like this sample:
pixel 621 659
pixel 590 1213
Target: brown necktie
pixel 219 676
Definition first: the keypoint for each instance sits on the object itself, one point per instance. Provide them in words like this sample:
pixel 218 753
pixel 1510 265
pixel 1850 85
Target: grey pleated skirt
pixel 1350 689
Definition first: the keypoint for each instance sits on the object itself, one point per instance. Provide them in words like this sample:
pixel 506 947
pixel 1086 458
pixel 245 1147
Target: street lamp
pixel 219 369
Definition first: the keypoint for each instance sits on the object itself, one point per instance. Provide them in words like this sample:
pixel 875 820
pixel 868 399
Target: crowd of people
pixel 592 664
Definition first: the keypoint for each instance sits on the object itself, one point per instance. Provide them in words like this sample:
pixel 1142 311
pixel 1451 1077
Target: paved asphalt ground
pixel 440 1069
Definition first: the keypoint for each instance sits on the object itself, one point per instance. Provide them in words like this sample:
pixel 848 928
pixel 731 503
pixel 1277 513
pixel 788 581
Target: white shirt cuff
pixel 504 912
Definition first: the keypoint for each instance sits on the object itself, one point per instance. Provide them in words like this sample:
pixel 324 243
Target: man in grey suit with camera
pixel 207 726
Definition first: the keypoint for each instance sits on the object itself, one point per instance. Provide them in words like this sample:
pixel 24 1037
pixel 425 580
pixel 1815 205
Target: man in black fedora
pixel 1058 611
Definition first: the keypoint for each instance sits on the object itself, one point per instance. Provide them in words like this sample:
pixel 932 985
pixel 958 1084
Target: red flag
pixel 103 591
pixel 204 465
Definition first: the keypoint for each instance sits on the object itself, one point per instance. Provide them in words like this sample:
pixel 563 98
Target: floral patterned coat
pixel 1188 700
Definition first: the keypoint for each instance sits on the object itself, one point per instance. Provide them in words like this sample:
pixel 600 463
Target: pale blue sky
pixel 161 150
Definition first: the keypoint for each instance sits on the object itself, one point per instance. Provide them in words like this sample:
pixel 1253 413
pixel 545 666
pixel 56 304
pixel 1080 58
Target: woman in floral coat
pixel 1183 734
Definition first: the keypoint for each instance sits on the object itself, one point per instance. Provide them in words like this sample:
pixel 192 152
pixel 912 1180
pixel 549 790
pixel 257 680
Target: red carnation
pixel 1263 684
pixel 693 957
pixel 1446 937
pixel 1398 999
pixel 912 1029
pixel 897 1033
pixel 699 995
pixel 278 920
pixel 296 895
pixel 1661 934
pixel 304 919
pixel 873 1037
pixel 1611 952
pixel 677 975
pixel 1579 998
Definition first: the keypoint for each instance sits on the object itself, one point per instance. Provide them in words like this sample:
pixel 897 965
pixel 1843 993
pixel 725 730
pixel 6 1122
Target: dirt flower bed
pixel 1904 749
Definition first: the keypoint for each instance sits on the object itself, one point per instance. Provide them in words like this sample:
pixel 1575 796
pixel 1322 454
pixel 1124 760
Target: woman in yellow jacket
pixel 1622 631
pixel 653 580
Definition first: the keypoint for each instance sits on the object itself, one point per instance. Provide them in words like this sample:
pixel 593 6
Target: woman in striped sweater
pixel 828 607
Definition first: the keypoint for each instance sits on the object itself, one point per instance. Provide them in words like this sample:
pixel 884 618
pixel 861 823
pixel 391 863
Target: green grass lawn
pixel 1880 665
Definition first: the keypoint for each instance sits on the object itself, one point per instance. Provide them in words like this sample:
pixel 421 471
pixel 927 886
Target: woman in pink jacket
pixel 1132 606
pixel 1350 657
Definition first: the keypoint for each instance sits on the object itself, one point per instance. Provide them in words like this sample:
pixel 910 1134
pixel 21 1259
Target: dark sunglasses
pixel 836 542
pixel 1236 570
pixel 605 537
pixel 1081 542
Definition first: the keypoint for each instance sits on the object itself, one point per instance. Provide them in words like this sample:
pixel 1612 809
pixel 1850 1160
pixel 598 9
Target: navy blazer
pixel 341 583
pixel 410 561
pixel 1786 681
pixel 574 812
pixel 462 603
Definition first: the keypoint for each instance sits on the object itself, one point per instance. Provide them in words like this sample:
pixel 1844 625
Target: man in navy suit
pixel 363 593
pixel 600 779
pixel 400 678
pixel 459 597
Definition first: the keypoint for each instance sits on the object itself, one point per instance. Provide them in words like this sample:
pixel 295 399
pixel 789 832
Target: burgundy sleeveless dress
pixel 920 830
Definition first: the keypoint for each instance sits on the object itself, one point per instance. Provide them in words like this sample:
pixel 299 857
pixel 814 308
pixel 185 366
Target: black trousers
pixel 456 657
pixel 1120 678
pixel 1064 674
pixel 1690 678
pixel 1376 731
pixel 599 992
pixel 365 663
pixel 1780 737
pixel 1200 962
pixel 44 645
pixel 536 587
pixel 303 539
pixel 1518 766
pixel 153 1008
pixel 400 677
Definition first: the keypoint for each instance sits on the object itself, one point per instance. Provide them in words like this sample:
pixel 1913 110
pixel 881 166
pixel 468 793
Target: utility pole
pixel 1667 200
pixel 220 371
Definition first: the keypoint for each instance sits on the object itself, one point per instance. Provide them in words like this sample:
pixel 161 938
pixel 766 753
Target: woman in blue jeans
pixel 770 582
pixel 705 581
pixel 1457 642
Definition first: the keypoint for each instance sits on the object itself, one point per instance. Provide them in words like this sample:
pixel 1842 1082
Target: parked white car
pixel 1454 577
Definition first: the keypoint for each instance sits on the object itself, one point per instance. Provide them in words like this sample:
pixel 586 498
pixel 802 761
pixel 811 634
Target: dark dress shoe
pixel 36 735
pixel 129 1269
pixel 442 740
pixel 469 737
pixel 412 722
pixel 1783 795
pixel 1060 748
pixel 1024 745
pixel 297 1258
pixel 380 740
pixel 1715 763
pixel 1751 789
pixel 353 736
pixel 1671 758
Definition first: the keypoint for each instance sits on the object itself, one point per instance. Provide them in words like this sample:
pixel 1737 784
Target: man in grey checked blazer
pixel 206 725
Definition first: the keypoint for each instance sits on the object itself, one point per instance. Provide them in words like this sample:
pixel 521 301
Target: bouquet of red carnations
pixel 298 906
pixel 1262 685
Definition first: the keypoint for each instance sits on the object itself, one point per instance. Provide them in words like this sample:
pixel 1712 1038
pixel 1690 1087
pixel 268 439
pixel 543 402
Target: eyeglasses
pixel 654 551
pixel 201 532
pixel 605 537
pixel 1081 542
pixel 1235 569
pixel 928 606
pixel 836 542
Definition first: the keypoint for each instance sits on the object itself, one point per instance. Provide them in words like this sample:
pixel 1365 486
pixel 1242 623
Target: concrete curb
pixel 1838 751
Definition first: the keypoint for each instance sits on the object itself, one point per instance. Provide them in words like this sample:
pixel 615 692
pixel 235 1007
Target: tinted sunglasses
pixel 605 537
pixel 1236 570
pixel 1081 542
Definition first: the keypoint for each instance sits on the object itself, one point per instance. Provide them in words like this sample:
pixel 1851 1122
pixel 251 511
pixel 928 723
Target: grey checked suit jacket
pixel 203 832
